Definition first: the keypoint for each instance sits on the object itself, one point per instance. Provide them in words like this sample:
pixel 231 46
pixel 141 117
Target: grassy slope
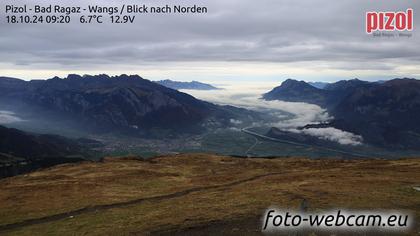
pixel 326 184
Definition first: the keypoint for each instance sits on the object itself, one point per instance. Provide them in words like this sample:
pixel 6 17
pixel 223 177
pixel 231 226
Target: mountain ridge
pixel 385 114
pixel 107 102
pixel 194 85
pixel 297 91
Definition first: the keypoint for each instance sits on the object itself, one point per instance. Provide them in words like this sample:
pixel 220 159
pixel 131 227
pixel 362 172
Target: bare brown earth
pixel 197 194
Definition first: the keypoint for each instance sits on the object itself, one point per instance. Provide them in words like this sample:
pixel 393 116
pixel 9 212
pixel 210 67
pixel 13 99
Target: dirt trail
pixel 97 208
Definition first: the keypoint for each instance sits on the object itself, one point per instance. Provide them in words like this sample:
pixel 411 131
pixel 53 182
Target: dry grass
pixel 357 184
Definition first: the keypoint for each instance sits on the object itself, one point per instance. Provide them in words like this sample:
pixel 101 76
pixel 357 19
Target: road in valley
pixel 264 137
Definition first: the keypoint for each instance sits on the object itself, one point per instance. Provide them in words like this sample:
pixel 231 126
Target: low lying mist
pixel 249 96
pixel 8 117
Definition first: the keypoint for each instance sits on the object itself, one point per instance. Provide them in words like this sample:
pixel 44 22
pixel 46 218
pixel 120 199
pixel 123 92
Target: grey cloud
pixel 237 30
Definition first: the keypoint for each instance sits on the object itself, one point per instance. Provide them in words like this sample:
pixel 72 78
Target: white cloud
pixel 235 122
pixel 335 135
pixel 7 117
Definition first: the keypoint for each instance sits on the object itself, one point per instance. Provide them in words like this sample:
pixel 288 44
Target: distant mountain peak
pixel 196 85
pixel 293 90
pixel 292 82
pixel 73 76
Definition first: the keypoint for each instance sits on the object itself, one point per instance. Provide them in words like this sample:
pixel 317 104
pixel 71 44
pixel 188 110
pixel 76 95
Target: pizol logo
pixel 389 21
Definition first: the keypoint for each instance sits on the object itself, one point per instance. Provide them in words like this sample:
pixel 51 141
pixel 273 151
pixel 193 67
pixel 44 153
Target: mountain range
pixel 385 114
pixel 125 102
pixel 329 96
pixel 194 85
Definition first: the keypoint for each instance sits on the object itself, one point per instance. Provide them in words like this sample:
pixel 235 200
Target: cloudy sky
pixel 237 40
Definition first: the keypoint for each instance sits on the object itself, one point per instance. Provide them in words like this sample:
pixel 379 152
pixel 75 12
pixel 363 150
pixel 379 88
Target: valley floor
pixel 197 194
